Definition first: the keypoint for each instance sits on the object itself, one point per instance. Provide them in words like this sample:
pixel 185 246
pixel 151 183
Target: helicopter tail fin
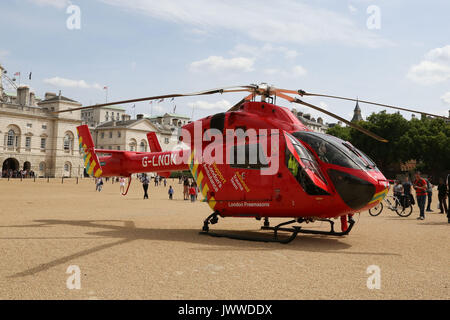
pixel 91 162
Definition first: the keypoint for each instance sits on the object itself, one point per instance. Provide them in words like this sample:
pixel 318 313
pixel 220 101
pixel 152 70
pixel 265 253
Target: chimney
pixel 49 95
pixel 140 116
pixel 23 96
pixel 32 99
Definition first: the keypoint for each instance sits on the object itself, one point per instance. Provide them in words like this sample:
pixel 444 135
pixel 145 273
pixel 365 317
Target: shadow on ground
pixel 128 232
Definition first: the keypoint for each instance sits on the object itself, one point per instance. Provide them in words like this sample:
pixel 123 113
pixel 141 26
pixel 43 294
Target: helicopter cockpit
pixel 335 151
pixel 356 191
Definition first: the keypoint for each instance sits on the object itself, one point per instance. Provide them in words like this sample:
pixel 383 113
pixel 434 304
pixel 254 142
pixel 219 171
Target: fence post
pixel 77 180
pixel 48 179
pixel 62 180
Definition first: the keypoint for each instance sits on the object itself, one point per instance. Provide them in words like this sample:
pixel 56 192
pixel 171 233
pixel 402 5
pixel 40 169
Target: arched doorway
pixel 9 166
pixel 27 166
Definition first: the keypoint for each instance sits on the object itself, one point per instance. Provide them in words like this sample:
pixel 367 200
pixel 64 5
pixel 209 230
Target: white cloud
pixel 69 83
pixel 288 21
pixel 294 72
pixel 442 54
pixel 352 9
pixel 429 73
pixel 446 98
pixel 434 69
pixel 221 64
pixel 54 3
pixel 204 105
pixel 299 71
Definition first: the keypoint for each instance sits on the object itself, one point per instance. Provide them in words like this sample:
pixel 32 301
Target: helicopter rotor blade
pixel 200 93
pixel 351 124
pixel 303 93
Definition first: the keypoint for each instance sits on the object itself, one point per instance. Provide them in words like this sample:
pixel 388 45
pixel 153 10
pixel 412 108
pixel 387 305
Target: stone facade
pixel 35 138
pixel 131 135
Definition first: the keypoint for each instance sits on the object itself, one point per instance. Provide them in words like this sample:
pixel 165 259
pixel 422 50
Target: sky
pixel 395 52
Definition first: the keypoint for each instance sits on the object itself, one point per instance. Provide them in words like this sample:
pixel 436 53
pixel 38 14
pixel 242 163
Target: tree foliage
pixel 425 140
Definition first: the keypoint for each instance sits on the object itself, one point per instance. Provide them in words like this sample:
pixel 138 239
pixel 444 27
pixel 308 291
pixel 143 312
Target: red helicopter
pixel 257 160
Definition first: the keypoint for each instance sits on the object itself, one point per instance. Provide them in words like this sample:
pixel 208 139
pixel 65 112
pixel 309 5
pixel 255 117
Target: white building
pixel 35 138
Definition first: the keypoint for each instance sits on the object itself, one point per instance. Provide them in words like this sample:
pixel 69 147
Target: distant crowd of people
pixel 190 188
pixel 424 194
pixel 17 173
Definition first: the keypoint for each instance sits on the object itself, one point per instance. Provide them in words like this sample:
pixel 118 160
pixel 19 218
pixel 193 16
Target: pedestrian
pixel 398 192
pixel 145 183
pixel 99 184
pixel 171 192
pixel 186 189
pixel 429 194
pixel 156 181
pixel 192 193
pixel 442 196
pixel 407 190
pixel 165 182
pixel 122 184
pixel 420 185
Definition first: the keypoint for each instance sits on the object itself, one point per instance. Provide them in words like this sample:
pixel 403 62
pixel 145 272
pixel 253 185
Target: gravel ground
pixel 130 248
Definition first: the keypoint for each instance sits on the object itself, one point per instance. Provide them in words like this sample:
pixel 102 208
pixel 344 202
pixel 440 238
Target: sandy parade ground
pixel 130 248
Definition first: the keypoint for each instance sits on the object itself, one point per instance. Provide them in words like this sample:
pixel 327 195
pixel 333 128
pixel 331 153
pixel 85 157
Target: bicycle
pixel 393 204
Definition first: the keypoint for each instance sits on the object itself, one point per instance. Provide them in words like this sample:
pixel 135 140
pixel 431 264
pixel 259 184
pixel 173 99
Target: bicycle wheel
pixel 404 211
pixel 375 211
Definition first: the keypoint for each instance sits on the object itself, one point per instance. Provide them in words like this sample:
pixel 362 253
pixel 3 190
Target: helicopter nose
pixel 354 191
pixel 382 190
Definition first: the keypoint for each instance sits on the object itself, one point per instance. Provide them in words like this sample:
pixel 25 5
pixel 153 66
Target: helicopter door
pixel 240 178
pixel 304 168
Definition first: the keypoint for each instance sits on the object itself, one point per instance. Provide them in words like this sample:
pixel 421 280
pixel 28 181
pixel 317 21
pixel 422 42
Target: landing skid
pixel 294 230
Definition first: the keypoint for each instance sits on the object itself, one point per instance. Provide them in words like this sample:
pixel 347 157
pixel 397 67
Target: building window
pixel 29 125
pixel 107 116
pixel 166 140
pixel 66 167
pixel 102 135
pixel 119 134
pixel 110 134
pixel 112 116
pixel 11 136
pixel 43 143
pixel 28 142
pixel 67 143
pixel 143 147
pixel 118 147
pixel 42 166
pixel 117 117
pixel 109 148
pixel 44 126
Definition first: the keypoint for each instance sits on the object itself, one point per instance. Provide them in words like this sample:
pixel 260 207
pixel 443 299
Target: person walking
pixel 429 194
pixel 122 184
pixel 145 183
pixel 186 189
pixel 442 196
pixel 171 192
pixel 420 185
pixel 99 184
pixel 192 193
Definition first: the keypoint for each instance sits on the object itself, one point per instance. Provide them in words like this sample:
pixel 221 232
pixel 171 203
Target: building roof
pixel 123 124
pixel 176 115
pixel 59 98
